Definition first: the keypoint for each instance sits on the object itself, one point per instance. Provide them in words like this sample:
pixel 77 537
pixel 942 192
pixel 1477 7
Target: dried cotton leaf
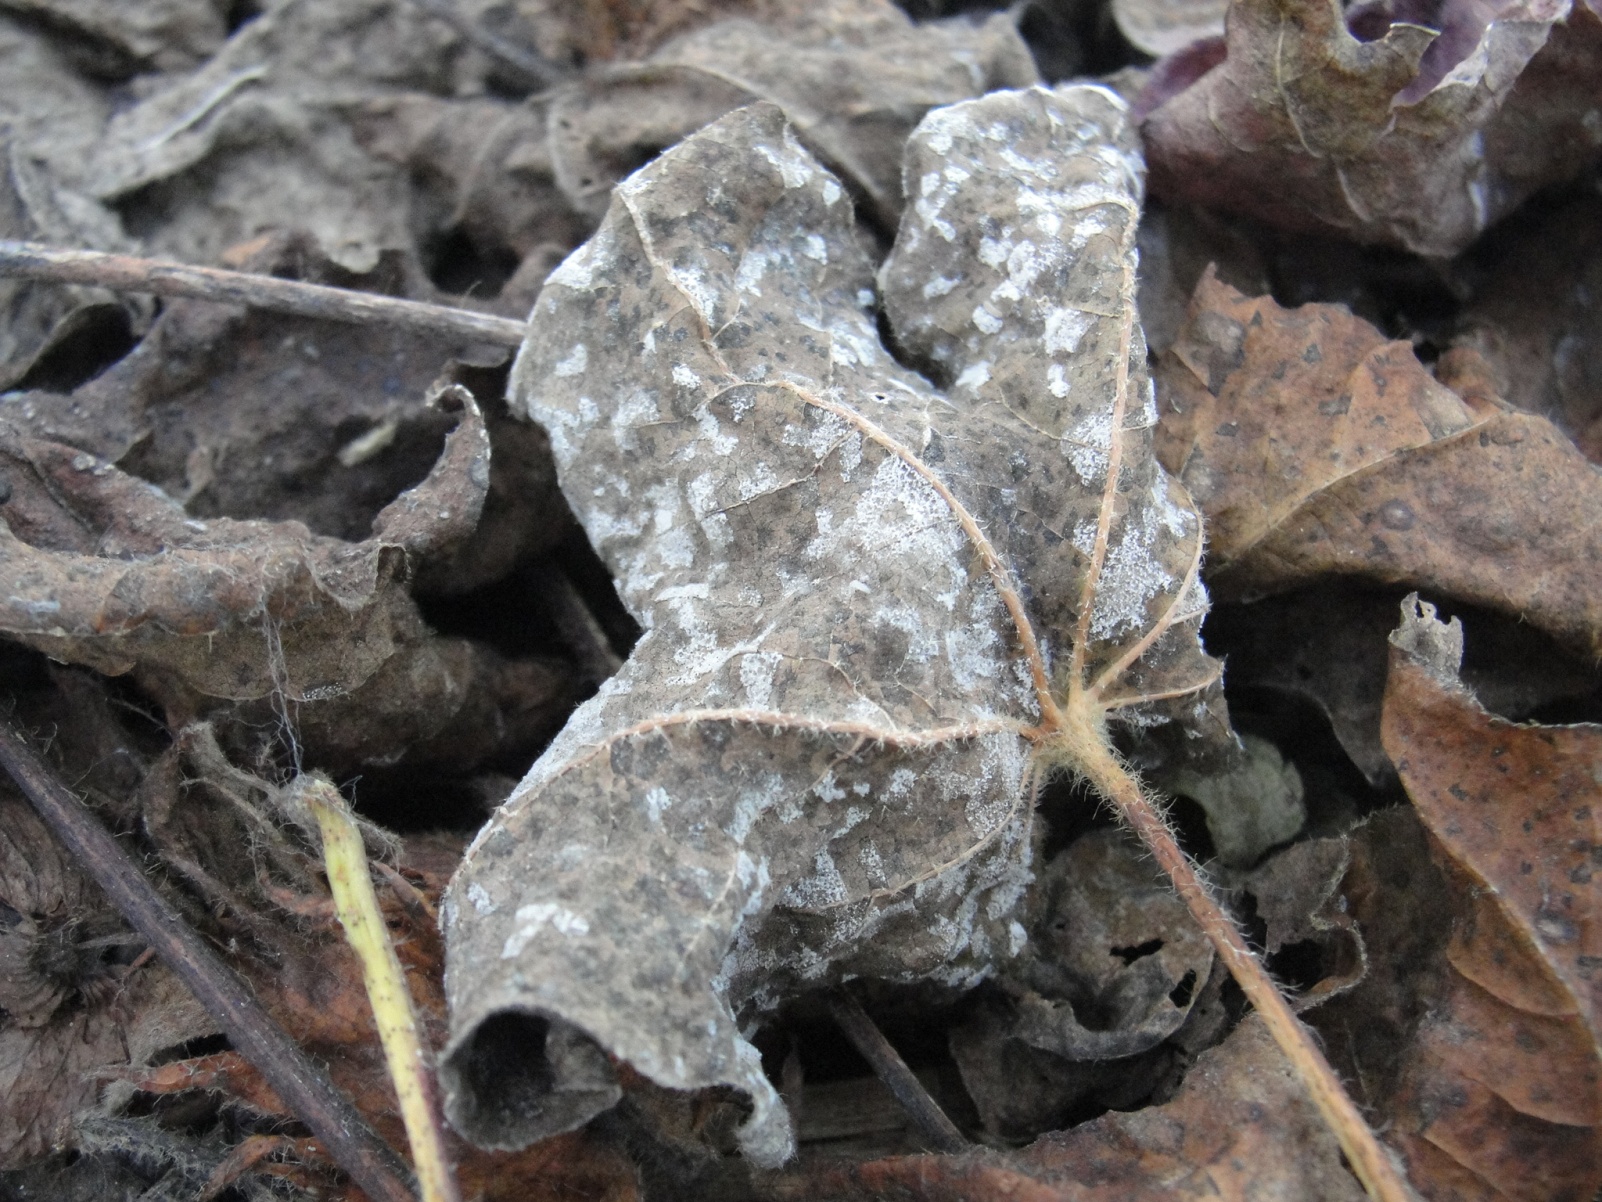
pixel 856 590
pixel 1498 1096
pixel 853 76
pixel 1307 127
pixel 1316 447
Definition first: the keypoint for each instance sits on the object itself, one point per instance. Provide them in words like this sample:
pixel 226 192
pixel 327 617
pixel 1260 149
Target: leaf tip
pixel 1435 645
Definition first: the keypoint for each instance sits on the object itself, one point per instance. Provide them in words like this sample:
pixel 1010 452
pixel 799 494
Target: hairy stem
pixel 1083 745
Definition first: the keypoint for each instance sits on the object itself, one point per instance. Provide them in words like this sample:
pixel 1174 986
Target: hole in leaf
pixel 1181 993
pixel 1139 951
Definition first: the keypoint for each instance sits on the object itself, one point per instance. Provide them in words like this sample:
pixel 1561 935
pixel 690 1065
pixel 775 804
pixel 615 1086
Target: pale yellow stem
pixel 345 859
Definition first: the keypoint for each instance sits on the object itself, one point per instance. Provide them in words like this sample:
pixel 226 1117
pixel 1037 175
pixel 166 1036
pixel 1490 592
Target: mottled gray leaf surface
pixel 817 763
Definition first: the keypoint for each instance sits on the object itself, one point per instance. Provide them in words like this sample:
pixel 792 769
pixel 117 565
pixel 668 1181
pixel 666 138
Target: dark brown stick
pixel 531 64
pixel 127 273
pixel 888 1066
pixel 578 626
pixel 303 1086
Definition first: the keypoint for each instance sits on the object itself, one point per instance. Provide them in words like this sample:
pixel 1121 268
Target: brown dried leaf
pixel 1241 1128
pixel 816 762
pixel 853 76
pixel 1112 945
pixel 258 138
pixel 1316 447
pixel 1113 967
pixel 1305 126
pixel 1538 316
pixel 105 570
pixel 67 1014
pixel 1499 1096
pixel 1327 644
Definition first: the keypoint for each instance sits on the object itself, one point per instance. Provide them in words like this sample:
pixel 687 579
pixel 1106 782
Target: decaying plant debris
pixel 771 651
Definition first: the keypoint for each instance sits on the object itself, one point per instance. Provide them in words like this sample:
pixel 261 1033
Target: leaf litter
pixel 280 546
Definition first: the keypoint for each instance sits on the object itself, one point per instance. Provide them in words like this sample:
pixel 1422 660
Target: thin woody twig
pixel 888 1066
pixel 302 1085
pixel 128 273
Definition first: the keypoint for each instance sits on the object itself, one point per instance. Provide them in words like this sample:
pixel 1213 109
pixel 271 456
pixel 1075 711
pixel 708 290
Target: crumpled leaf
pixel 1297 896
pixel 1308 127
pixel 815 763
pixel 1317 447
pixel 105 570
pixel 1161 27
pixel 259 139
pixel 34 207
pixel 246 414
pixel 853 76
pixel 1251 806
pixel 1114 961
pixel 1537 316
pixel 48 118
pixel 68 1010
pixel 161 35
pixel 1114 966
pixel 1240 1128
pixel 1499 1096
